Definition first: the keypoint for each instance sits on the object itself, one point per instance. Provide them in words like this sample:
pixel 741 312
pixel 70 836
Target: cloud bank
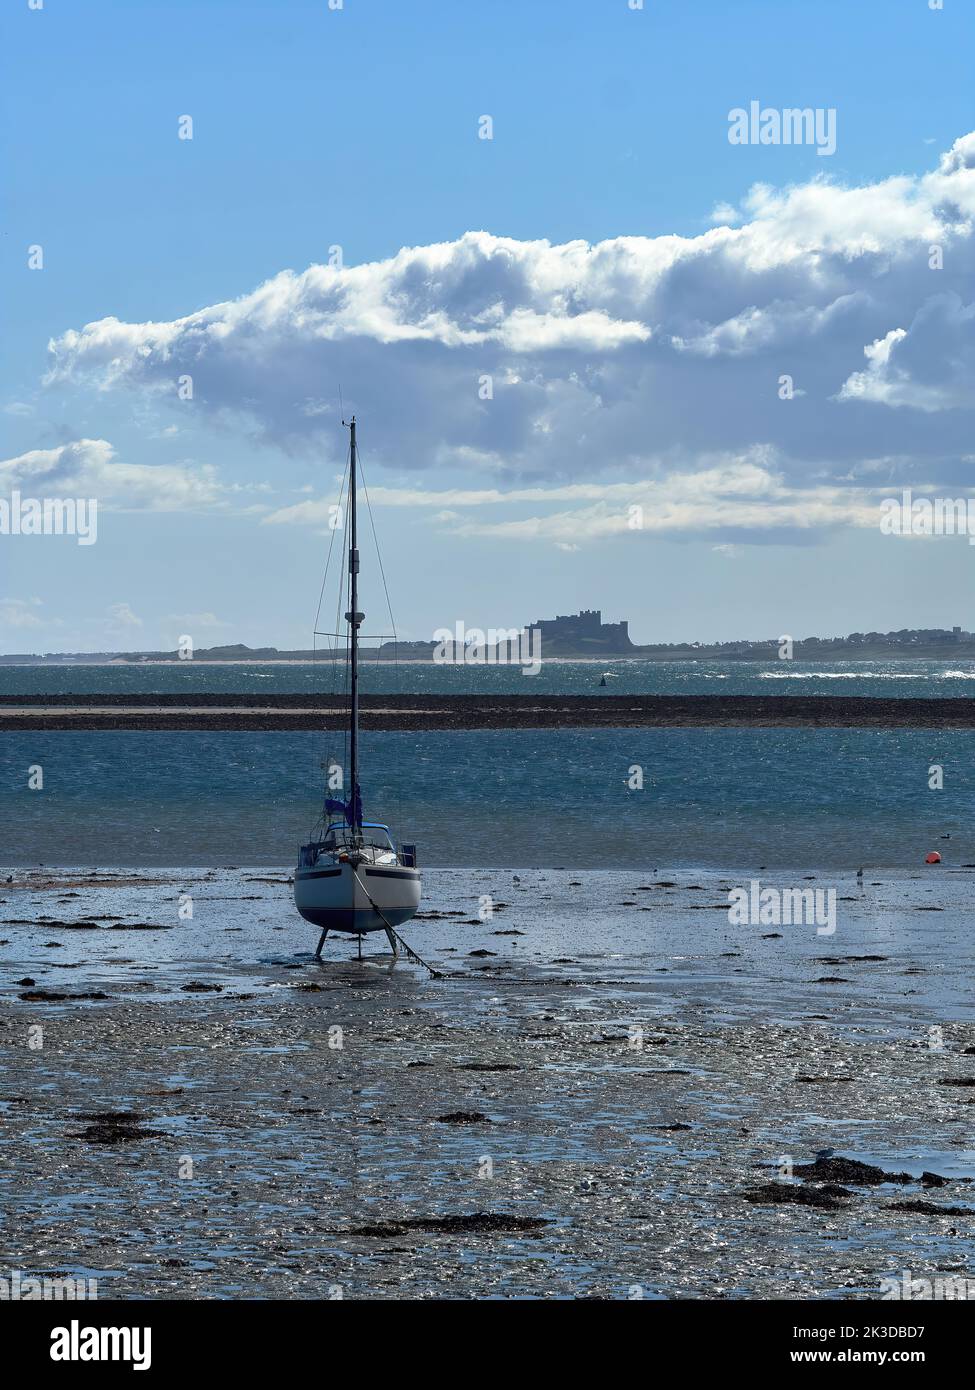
pixel 635 358
pixel 89 468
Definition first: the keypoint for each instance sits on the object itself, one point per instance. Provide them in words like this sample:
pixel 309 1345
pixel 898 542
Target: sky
pixel 605 358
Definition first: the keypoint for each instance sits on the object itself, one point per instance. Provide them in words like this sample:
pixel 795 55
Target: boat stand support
pixel 318 953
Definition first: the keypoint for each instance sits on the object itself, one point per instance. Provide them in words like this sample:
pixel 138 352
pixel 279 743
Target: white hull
pixel 337 896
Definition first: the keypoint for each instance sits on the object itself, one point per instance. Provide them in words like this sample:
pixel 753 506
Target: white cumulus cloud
pixel 90 468
pixel 637 357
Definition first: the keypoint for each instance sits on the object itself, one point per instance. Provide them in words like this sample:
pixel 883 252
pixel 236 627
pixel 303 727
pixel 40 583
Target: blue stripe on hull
pixel 358 923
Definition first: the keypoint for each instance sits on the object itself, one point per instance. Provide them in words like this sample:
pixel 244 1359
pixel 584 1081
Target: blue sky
pixel 645 374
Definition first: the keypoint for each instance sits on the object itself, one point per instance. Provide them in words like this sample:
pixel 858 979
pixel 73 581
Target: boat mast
pixel 353 618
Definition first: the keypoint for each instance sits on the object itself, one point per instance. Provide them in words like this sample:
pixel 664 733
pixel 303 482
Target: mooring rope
pixel 437 974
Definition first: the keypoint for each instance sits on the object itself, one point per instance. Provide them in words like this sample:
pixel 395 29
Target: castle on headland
pixel 584 631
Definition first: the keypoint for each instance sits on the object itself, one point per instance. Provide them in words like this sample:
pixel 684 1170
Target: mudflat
pixel 199 710
pixel 613 1092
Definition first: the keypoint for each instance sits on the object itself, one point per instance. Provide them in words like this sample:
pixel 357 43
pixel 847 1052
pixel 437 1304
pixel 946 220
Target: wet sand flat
pixel 594 1109
pixel 174 712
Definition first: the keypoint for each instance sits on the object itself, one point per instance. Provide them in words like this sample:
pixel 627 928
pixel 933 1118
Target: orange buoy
pixel 933 858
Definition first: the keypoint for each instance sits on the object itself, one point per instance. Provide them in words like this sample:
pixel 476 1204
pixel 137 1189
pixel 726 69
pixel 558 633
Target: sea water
pixel 885 679
pixel 717 798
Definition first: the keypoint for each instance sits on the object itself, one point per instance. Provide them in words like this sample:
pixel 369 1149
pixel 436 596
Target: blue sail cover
pixel 351 812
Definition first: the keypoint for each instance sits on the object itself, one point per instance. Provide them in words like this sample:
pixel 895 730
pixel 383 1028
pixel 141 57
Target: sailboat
pixel 352 877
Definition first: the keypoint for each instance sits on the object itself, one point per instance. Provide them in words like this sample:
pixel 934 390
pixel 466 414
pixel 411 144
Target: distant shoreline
pixel 605 659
